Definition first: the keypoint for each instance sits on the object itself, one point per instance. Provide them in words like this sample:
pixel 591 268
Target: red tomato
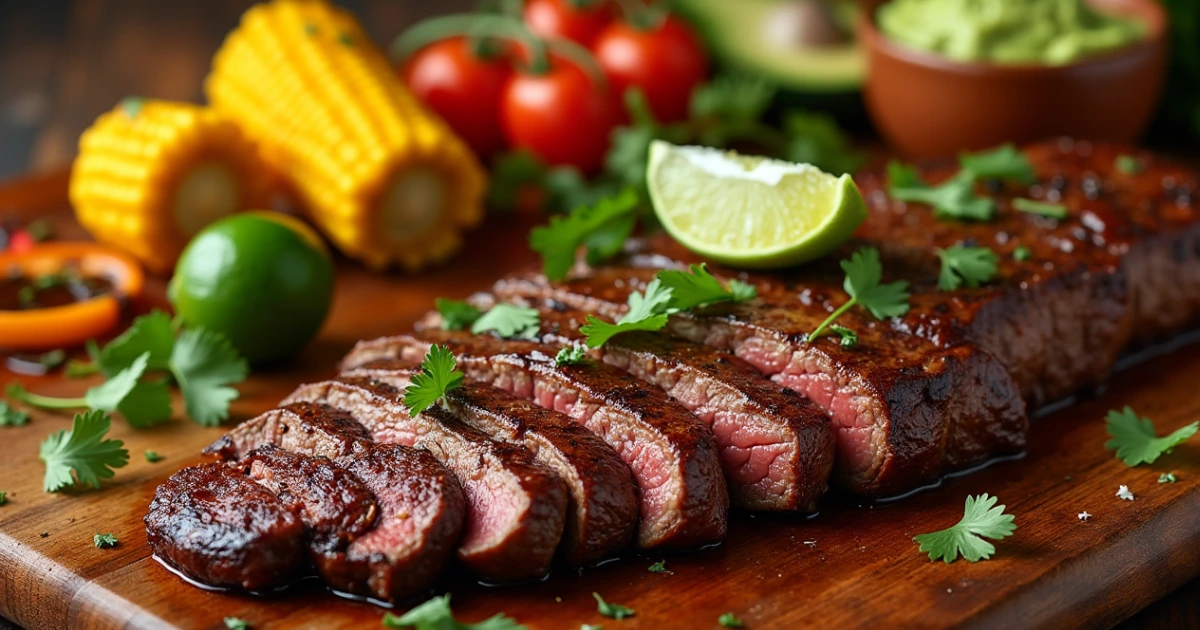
pixel 578 21
pixel 561 116
pixel 463 88
pixel 20 242
pixel 666 63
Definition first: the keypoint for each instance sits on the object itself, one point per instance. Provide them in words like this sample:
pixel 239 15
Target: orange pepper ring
pixel 71 324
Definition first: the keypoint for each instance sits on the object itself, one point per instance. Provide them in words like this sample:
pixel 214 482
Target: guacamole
pixel 1051 32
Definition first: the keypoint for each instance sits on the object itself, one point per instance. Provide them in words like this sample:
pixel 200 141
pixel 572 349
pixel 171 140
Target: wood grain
pixel 853 565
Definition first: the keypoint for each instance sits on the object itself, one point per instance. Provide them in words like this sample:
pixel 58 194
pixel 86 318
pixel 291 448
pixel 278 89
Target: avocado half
pixel 752 36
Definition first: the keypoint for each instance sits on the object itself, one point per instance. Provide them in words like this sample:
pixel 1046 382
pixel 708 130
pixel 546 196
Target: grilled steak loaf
pixel 515 508
pixel 421 507
pixel 217 526
pixel 602 507
pixel 672 455
pixel 905 411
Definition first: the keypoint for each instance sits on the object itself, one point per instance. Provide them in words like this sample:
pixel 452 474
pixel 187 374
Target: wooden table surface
pixel 853 565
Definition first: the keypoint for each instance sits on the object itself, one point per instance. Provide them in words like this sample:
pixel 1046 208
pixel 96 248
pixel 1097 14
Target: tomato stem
pixel 640 15
pixel 582 58
pixel 472 25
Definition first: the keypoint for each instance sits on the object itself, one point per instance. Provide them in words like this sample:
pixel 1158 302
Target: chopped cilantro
pixel 863 275
pixel 435 614
pixel 104 541
pixel 955 198
pixel 1051 210
pixel 508 321
pixel 659 567
pixel 1128 164
pixel 81 456
pixel 697 287
pixel 982 518
pixel 12 417
pixel 1003 162
pixel 456 314
pixel 849 337
pixel 571 355
pixel 729 620
pixel 52 359
pixel 558 242
pixel 153 457
pixel 1021 253
pixel 235 623
pixel 1134 440
pixel 961 265
pixel 616 611
pixel 1167 478
pixel 647 311
pixel 3 497
pixel 438 375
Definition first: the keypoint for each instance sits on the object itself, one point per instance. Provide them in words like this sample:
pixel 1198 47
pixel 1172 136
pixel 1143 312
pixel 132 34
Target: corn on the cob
pixel 150 174
pixel 387 181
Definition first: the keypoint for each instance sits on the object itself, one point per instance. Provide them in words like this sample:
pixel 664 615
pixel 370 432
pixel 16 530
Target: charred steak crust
pixel 672 455
pixel 776 446
pixel 515 508
pixel 219 528
pixel 906 412
pixel 602 506
pixel 420 504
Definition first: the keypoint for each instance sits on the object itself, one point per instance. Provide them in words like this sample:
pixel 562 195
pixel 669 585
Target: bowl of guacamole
pixel 951 75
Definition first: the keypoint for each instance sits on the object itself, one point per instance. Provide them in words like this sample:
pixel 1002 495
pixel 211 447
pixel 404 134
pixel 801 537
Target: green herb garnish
pixel 438 375
pixel 1004 162
pixel 3 497
pixel 1134 440
pixel 593 227
pixel 508 321
pixel 104 541
pixel 955 198
pixel 1128 164
pixel 1167 478
pixel 153 457
pixel 647 311
pixel 456 314
pixel 616 611
pixel 234 623
pixel 435 614
pixel 12 417
pixel 571 355
pixel 982 518
pixel 849 337
pixel 81 456
pixel 659 567
pixel 961 265
pixel 863 275
pixel 1051 210
pixel 696 287
pixel 1021 253
pixel 729 620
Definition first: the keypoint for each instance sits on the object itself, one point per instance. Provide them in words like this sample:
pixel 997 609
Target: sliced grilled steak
pixel 334 505
pixel 516 509
pixel 421 505
pixel 220 528
pixel 672 455
pixel 906 411
pixel 602 506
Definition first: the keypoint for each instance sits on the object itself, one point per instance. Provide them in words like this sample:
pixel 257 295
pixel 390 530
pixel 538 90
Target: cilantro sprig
pixel 508 321
pixel 955 198
pixel 1134 439
pixel 104 541
pixel 81 456
pixel 864 275
pixel 647 311
pixel 961 265
pixel 11 417
pixel 456 314
pixel 602 228
pixel 982 518
pixel 571 355
pixel 697 287
pixel 201 362
pixel 435 614
pixel 439 374
pixel 1041 208
pixel 609 609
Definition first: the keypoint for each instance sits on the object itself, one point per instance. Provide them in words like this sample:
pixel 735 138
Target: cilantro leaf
pixel 558 241
pixel 1168 477
pixel 153 457
pixel 730 108
pixel 659 567
pixel 143 404
pixel 815 138
pixel 81 456
pixel 12 417
pixel 616 611
pixel 508 321
pixel 435 614
pixel 1022 253
pixel 729 620
pixel 982 518
pixel 235 623
pixel 972 266
pixel 1128 164
pixel 954 198
pixel 150 334
pixel 849 337
pixel 1052 210
pixel 456 314
pixel 571 355
pixel 1003 162
pixel 697 287
pixel 864 273
pixel 204 364
pixel 438 375
pixel 104 541
pixel 647 311
pixel 1134 440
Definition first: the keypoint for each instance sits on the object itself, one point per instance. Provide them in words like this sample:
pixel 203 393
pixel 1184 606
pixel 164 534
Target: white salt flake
pixel 1124 493
pixel 810 543
pixel 1083 516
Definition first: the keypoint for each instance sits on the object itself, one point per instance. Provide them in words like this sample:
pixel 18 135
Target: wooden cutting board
pixel 853 565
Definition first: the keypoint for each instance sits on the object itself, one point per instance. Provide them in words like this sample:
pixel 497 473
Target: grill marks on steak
pixel 420 505
pixel 673 457
pixel 905 411
pixel 220 528
pixel 515 508
pixel 602 507
pixel 776 446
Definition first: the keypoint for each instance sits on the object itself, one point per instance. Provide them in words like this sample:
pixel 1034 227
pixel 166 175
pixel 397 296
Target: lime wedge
pixel 748 211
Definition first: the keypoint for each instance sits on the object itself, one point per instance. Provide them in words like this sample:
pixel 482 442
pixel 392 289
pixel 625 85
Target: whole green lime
pixel 263 279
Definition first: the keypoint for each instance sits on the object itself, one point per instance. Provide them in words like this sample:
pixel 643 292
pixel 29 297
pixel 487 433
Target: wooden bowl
pixel 924 104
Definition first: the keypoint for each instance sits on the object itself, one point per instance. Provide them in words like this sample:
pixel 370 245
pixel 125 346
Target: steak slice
pixel 672 455
pixel 515 508
pixel 220 528
pixel 420 504
pixel 602 507
pixel 906 411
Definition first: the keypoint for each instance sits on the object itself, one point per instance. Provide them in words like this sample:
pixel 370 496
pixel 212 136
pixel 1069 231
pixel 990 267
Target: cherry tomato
pixel 561 116
pixel 20 242
pixel 666 62
pixel 577 20
pixel 463 88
